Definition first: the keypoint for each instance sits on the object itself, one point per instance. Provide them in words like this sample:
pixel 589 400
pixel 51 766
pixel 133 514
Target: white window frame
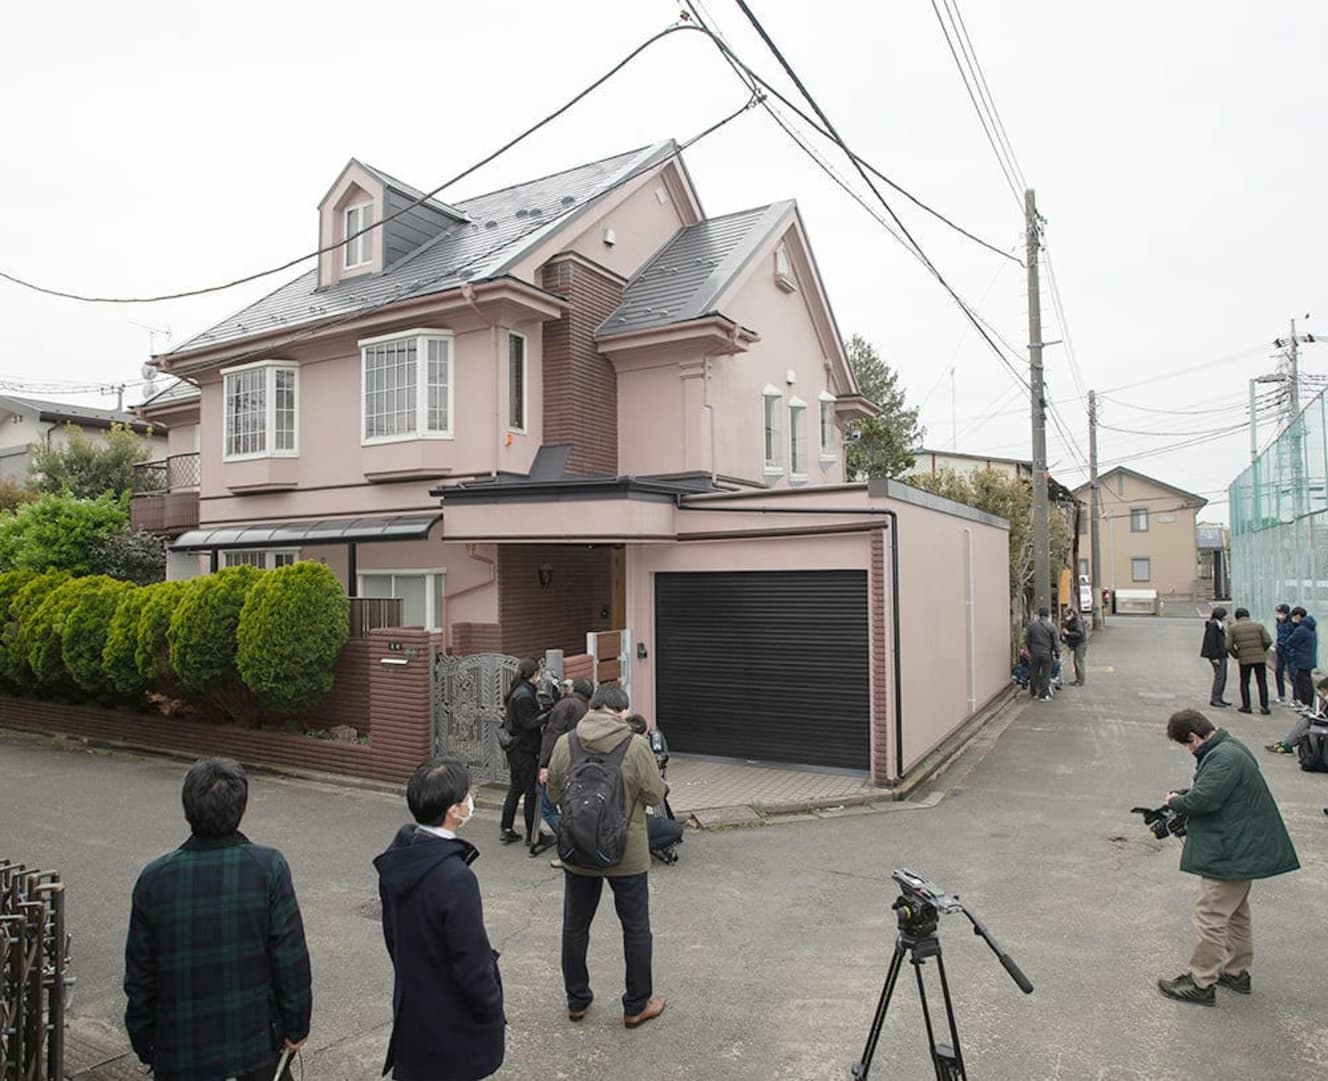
pixel 525 382
pixel 1148 564
pixel 797 411
pixel 422 338
pixel 1135 512
pixel 435 590
pixel 269 411
pixel 272 557
pixel 784 270
pixel 771 437
pixel 363 243
pixel 826 427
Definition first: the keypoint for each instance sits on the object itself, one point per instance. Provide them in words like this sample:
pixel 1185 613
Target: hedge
pixel 87 621
pixel 10 584
pixel 151 648
pixel 203 643
pixel 117 656
pixel 42 636
pixel 18 634
pixel 294 622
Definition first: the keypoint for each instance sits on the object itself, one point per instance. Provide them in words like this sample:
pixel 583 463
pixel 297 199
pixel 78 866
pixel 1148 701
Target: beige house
pixel 1147 535
pixel 25 422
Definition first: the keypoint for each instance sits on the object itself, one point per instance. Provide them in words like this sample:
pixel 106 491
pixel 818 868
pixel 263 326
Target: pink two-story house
pixel 580 405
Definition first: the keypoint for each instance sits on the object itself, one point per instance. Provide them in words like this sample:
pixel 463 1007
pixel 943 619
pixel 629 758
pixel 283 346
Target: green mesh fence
pixel 1279 521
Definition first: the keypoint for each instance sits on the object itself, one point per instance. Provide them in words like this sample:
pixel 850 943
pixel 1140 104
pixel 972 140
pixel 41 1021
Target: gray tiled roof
pixel 503 226
pixel 406 189
pixel 177 391
pixel 61 412
pixel 689 274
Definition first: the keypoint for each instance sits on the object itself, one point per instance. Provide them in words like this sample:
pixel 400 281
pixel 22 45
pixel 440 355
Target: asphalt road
pixel 772 943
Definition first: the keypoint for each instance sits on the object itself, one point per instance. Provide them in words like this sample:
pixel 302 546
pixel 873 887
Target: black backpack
pixel 592 831
pixel 1312 749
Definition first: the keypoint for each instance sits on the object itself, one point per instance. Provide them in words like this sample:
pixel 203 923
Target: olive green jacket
pixel 1236 832
pixel 601 731
pixel 1249 641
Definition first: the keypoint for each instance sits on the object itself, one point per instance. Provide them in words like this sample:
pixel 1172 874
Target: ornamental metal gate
pixel 34 984
pixel 468 710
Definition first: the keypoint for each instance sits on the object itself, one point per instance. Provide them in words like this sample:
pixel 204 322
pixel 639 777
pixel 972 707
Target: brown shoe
pixel 576 1015
pixel 653 1009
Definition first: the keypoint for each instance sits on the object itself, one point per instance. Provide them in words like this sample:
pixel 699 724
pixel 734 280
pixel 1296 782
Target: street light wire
pixel 986 93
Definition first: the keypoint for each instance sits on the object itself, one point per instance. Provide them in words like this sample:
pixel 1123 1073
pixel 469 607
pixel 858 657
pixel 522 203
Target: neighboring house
pixel 579 406
pixel 166 492
pixel 1147 535
pixel 27 422
pixel 1214 573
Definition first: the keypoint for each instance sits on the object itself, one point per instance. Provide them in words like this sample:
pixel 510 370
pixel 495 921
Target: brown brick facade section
pixel 348 701
pixel 882 736
pixel 399 709
pixel 468 638
pixel 580 384
pixel 535 619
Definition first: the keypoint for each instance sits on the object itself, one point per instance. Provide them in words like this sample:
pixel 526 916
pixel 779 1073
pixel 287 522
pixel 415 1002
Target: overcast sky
pixel 1177 150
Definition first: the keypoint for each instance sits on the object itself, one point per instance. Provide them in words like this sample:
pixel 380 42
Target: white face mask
pixel 470 811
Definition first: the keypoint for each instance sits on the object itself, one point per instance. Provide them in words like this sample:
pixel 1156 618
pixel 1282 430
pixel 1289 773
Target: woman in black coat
pixel 1215 650
pixel 523 721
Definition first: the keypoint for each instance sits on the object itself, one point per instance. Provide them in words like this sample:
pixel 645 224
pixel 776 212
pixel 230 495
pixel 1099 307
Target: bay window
pixel 407 386
pixel 260 412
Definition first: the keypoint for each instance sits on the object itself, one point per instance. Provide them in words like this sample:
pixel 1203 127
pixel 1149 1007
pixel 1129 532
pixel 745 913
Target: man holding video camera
pixel 1235 835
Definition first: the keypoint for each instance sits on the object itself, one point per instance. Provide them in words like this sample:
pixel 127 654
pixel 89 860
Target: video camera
pixel 1163 820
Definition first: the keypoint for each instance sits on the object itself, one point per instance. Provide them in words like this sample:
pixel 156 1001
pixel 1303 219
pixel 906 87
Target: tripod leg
pixel 945 1059
pixel 957 1058
pixel 863 1066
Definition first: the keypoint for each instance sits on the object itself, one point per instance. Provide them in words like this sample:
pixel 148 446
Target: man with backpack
pixel 603 777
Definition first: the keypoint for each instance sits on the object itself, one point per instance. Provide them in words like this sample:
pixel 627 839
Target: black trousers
pixel 631 897
pixel 524 786
pixel 1260 671
pixel 1305 686
pixel 1039 681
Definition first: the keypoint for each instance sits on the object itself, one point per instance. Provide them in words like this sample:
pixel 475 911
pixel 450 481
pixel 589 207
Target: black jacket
pixel 523 718
pixel 1074 630
pixel 562 718
pixel 447 996
pixel 1042 638
pixel 1215 641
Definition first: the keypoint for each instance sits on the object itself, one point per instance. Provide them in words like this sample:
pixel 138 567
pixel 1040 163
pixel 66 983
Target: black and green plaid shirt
pixel 216 968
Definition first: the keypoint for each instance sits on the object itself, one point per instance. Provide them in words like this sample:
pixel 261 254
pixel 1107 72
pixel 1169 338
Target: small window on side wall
pixel 1138 519
pixel 827 411
pixel 784 270
pixel 516 382
pixel 1141 569
pixel 798 438
pixel 773 402
pixel 359 249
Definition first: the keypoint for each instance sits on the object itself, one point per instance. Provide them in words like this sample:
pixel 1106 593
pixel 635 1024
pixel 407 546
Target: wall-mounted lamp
pixel 545 575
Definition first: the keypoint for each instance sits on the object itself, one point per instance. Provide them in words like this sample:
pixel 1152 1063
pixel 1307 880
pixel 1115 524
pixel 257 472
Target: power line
pixel 1230 358
pixel 549 118
pixel 987 95
pixel 1015 188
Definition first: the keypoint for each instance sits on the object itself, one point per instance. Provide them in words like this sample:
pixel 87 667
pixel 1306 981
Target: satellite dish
pixel 148 372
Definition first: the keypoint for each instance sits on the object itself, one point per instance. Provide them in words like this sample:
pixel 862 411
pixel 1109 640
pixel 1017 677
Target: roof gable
pixel 1190 497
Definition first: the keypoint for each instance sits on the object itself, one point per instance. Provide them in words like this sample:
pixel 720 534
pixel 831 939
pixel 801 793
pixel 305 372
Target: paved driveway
pixel 771 943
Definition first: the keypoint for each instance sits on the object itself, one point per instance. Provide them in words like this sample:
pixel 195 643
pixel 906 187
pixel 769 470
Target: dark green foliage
pixel 131 555
pixel 10 583
pixel 151 647
pixel 87 622
pixel 203 642
pixel 17 634
pixel 294 623
pixel 86 468
pixel 58 533
pixel 885 444
pixel 117 655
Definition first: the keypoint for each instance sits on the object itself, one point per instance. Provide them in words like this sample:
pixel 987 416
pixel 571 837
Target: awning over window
pixel 292 534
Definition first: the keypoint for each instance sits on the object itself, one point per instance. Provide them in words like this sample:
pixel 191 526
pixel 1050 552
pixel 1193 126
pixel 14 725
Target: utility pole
pixel 1041 539
pixel 1094 512
pixel 1293 427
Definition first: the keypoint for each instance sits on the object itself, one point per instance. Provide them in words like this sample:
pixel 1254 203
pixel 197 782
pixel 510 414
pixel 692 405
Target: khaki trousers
pixel 1222 922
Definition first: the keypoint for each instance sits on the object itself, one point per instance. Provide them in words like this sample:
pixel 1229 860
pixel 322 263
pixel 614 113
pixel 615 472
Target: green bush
pixel 151 648
pixel 203 643
pixel 58 532
pixel 10 584
pixel 17 634
pixel 294 622
pixel 42 637
pixel 83 637
pixel 117 656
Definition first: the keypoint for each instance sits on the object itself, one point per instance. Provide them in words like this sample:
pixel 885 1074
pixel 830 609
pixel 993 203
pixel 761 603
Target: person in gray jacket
pixel 1043 641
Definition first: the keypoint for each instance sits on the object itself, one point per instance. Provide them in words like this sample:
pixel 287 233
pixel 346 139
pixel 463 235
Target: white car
pixel 1085 594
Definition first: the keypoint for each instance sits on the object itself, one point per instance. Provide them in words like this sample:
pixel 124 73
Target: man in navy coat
pixel 447 997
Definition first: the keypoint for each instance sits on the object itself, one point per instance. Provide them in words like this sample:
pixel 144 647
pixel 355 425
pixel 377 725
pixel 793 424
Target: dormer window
pixel 358 249
pixel 784 270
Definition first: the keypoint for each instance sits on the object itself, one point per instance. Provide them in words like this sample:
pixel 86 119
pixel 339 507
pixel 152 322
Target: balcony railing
pixel 166 494
pixel 370 613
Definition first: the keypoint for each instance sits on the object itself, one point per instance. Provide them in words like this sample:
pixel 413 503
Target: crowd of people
pixel 1039 667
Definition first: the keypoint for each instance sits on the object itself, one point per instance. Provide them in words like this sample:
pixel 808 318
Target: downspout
pixel 710 412
pixel 468 295
pixel 898 649
pixel 971 622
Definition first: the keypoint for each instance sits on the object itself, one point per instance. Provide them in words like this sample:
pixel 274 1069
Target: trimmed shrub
pixel 292 627
pixel 117 656
pixel 152 653
pixel 58 532
pixel 203 643
pixel 17 635
pixel 10 584
pixel 87 622
pixel 43 637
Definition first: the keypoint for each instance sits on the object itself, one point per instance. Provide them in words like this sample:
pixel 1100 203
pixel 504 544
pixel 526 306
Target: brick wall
pixel 535 619
pixel 468 638
pixel 348 700
pixel 399 709
pixel 580 384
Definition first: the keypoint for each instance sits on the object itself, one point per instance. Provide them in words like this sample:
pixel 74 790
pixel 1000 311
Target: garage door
pixel 768 665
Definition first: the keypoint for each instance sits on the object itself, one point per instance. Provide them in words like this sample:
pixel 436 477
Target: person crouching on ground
pixel 1214 650
pixel 1249 642
pixel 1235 835
pixel 447 996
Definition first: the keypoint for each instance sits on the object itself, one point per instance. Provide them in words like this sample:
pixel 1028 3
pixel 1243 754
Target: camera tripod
pixel 918 909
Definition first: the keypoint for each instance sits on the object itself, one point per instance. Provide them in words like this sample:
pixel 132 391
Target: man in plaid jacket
pixel 216 968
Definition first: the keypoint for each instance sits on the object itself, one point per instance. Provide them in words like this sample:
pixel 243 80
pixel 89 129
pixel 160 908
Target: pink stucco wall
pixel 182 439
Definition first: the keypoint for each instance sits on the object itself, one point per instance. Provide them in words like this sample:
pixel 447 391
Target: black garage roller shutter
pixel 767 665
